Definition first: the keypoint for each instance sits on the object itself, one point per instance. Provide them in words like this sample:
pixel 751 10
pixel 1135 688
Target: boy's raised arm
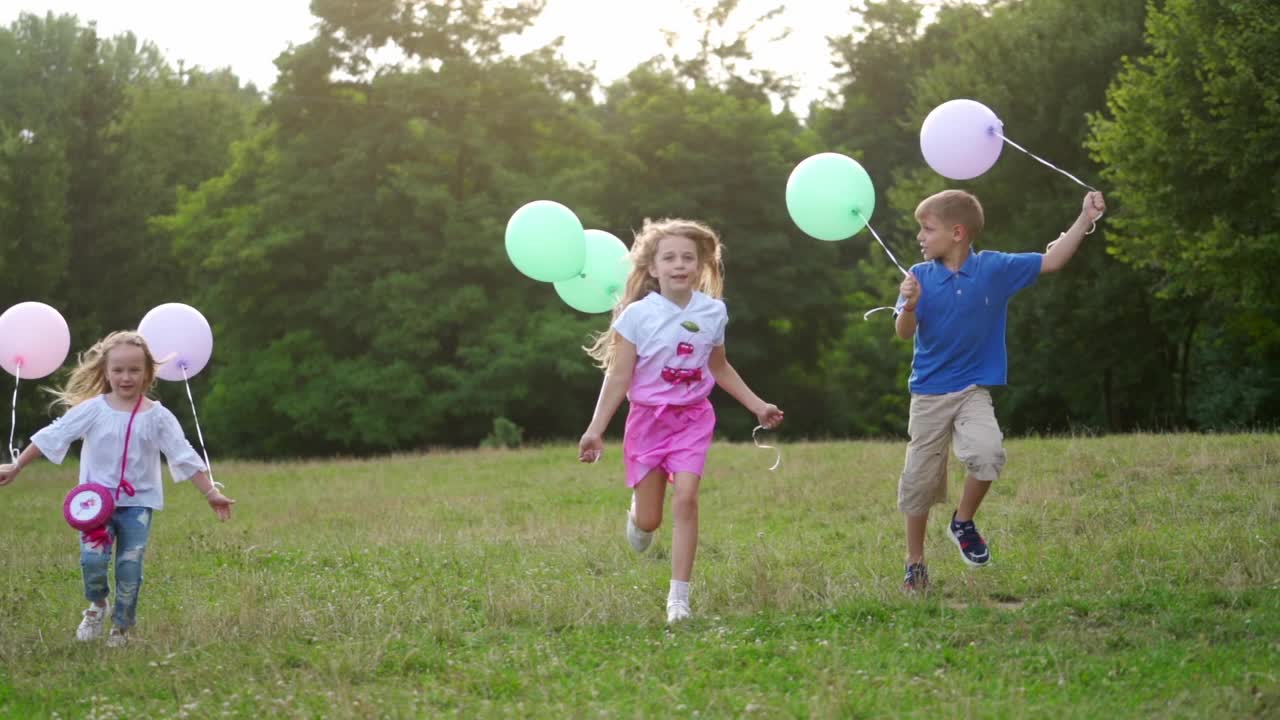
pixel 1061 250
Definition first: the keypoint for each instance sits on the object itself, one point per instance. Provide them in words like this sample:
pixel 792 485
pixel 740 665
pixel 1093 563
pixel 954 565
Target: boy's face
pixel 937 238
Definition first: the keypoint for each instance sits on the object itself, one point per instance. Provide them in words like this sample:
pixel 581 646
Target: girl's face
pixel 675 264
pixel 127 371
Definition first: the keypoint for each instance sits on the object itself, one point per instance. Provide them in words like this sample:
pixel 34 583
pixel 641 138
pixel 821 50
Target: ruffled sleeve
pixel 56 438
pixel 169 438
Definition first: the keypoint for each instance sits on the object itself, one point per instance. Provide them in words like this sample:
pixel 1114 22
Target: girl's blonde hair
pixel 710 280
pixel 89 378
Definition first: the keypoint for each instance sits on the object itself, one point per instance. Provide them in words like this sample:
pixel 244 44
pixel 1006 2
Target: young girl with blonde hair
pixel 665 352
pixel 124 434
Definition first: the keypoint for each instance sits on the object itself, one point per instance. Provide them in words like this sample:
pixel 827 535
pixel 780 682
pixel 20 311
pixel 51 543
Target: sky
pixel 614 34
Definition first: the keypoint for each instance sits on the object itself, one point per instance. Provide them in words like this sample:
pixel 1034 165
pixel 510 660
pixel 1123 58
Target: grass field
pixel 1133 576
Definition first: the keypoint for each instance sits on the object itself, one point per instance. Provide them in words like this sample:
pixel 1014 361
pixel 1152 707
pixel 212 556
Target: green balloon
pixel 603 278
pixel 830 196
pixel 545 241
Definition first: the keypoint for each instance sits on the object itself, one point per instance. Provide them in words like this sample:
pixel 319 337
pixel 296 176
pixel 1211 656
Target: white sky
pixel 616 34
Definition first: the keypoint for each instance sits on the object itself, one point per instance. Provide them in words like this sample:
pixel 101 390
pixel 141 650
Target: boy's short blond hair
pixel 954 207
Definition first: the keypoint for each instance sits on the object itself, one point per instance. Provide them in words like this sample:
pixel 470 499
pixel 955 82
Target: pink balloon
pixel 179 338
pixel 35 337
pixel 961 139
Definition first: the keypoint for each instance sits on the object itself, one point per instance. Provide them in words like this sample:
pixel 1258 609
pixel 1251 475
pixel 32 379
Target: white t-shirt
pixel 102 427
pixel 673 346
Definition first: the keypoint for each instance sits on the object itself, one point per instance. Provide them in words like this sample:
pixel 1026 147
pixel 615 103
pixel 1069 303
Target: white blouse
pixel 102 427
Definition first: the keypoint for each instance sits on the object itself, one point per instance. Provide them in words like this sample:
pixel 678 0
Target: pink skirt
pixel 672 437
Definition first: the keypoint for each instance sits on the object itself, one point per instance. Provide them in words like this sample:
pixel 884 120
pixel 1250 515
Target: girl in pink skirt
pixel 665 352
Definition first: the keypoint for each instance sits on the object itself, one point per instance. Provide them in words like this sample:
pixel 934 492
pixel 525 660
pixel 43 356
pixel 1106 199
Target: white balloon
pixel 179 338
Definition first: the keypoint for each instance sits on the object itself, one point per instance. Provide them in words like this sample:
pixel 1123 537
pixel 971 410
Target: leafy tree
pixel 354 247
pixel 1191 142
pixel 95 136
pixel 1042 66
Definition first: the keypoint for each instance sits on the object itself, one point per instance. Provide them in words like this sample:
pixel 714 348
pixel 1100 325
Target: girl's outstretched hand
pixel 221 505
pixel 8 472
pixel 769 416
pixel 590 447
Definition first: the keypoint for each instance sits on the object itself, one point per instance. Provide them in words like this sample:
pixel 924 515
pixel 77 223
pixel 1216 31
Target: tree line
pixel 343 231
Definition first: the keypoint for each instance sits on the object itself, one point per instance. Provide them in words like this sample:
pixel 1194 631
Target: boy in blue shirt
pixel 954 304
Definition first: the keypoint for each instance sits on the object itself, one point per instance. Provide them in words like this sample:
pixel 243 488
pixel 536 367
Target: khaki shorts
pixel 969 418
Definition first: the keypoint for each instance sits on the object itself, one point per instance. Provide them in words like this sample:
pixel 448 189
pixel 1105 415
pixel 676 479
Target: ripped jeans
pixel 129 528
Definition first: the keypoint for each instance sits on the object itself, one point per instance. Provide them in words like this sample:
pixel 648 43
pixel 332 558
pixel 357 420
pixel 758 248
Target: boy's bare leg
pixel 962 531
pixel 916 526
pixel 974 491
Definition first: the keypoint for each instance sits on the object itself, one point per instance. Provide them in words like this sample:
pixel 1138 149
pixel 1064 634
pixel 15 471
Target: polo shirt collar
pixel 968 269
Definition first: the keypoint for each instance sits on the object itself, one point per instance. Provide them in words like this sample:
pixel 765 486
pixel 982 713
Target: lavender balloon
pixel 34 340
pixel 961 139
pixel 179 337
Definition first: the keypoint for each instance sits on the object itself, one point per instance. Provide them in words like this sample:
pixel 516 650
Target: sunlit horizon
pixel 614 35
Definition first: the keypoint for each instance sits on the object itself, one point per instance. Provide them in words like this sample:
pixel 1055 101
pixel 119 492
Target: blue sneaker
pixel 973 549
pixel 917 579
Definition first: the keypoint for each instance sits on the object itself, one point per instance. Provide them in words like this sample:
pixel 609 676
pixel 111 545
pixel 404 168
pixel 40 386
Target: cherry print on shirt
pixel 687 376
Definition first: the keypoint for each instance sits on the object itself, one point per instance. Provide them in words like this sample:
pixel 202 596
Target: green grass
pixel 1133 576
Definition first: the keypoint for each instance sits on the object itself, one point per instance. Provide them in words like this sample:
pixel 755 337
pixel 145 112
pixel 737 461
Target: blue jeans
pixel 129 528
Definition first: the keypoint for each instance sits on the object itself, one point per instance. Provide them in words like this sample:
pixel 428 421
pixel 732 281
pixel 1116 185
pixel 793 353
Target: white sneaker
pixel 116 638
pixel 91 626
pixel 678 611
pixel 638 538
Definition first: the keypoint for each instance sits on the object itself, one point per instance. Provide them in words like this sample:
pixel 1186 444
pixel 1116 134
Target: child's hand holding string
pixel 910 292
pixel 769 416
pixel 219 503
pixel 590 447
pixel 1094 206
pixel 8 472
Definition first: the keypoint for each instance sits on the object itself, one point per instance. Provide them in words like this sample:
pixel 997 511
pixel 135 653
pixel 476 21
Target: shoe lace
pixel 967 534
pixel 916 575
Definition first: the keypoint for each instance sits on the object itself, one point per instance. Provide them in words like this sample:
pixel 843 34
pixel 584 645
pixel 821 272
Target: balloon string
pixel 867 315
pixel 13 413
pixel 1094 223
pixel 777 460
pixel 887 251
pixel 208 466
pixel 1046 163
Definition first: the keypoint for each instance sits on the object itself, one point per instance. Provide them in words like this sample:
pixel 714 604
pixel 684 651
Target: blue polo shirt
pixel 960 320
